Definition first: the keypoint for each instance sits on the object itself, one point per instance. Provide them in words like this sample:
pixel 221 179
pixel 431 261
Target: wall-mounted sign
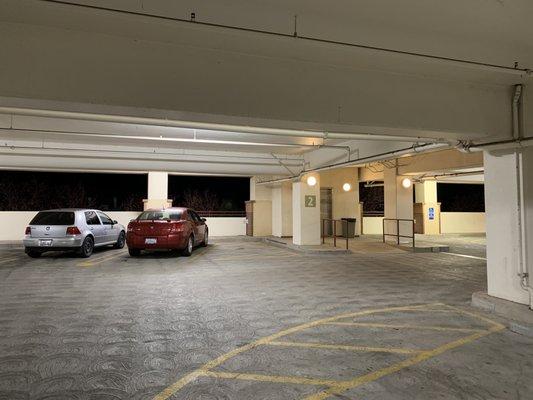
pixel 310 201
pixel 431 213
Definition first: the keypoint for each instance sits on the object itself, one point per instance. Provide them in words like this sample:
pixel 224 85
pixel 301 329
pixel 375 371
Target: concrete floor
pixel 245 320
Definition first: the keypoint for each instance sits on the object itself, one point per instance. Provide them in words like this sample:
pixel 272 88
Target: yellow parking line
pixel 406 326
pixel 99 260
pixel 474 315
pixel 346 347
pixel 271 378
pixel 361 380
pixel 6 260
pixel 176 386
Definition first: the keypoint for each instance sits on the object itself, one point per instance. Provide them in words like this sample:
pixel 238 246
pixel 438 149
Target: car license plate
pixel 150 241
pixel 45 243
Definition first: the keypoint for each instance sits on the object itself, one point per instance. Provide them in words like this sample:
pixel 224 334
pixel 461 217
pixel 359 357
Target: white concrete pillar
pixel 509 222
pixel 157 190
pixel 306 212
pixel 282 210
pixel 398 202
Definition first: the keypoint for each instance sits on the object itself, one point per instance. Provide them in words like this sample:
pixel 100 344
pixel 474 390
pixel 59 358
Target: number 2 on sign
pixel 310 201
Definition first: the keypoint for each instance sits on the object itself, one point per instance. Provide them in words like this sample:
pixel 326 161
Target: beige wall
pixel 262 197
pixel 462 222
pixel 345 204
pixel 262 218
pixel 13 223
pixel 282 210
pixel 372 225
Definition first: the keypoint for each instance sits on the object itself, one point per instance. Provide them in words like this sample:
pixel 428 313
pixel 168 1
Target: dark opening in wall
pixel 373 198
pixel 209 193
pixel 461 197
pixel 32 191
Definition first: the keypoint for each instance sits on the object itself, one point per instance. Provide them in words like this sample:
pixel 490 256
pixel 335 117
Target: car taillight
pixel 28 231
pixel 175 228
pixel 73 230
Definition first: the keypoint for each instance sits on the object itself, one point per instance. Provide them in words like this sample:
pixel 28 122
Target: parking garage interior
pixel 364 171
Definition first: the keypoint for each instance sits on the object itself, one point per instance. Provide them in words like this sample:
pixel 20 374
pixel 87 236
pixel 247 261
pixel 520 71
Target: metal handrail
pixel 334 230
pixel 397 235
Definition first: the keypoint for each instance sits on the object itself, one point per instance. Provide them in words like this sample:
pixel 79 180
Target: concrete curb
pixel 303 249
pixel 519 317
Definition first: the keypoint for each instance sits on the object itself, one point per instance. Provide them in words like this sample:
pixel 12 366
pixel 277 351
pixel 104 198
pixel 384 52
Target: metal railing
pixel 397 234
pixel 334 223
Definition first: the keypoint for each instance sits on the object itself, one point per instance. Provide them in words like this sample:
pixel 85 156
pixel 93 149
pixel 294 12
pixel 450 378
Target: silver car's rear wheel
pixel 120 241
pixel 87 247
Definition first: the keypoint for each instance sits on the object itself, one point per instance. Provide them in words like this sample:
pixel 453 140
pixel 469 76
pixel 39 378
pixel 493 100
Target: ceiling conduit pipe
pixel 415 149
pixel 178 140
pixel 163 122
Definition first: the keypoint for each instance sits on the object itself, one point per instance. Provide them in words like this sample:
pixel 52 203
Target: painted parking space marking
pixel 101 259
pixel 346 347
pixel 336 387
pixel 464 255
pixel 271 378
pixel 404 326
pixel 6 260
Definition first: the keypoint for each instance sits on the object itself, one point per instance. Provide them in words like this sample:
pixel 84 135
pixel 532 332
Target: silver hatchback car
pixel 69 229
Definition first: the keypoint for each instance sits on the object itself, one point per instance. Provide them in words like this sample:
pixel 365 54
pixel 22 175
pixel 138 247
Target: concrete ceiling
pixel 64 57
pixel 494 31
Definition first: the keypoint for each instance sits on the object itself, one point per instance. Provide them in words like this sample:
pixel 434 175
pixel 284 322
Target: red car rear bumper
pixel 172 241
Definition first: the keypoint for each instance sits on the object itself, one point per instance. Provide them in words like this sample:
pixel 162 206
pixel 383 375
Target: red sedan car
pixel 167 228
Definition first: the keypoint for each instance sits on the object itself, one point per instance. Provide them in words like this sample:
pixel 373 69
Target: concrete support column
pixel 306 212
pixel 398 201
pixel 509 221
pixel 157 190
pixel 282 210
pixel 261 208
pixel 426 208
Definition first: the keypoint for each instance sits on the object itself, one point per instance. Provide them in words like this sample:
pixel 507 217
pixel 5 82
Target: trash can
pixel 348 227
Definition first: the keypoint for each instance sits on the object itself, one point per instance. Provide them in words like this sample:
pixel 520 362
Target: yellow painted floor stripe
pixel 405 326
pixel 346 347
pixel 100 260
pixel 271 378
pixel 361 380
pixel 6 260
pixel 176 386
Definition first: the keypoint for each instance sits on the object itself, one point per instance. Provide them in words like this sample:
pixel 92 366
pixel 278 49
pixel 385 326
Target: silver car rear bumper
pixel 56 242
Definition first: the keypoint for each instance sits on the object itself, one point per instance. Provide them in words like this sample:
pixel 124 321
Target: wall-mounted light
pixel 346 187
pixel 311 181
pixel 406 183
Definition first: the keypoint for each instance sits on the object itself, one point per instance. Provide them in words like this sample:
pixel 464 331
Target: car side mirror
pixel 115 222
pixel 203 219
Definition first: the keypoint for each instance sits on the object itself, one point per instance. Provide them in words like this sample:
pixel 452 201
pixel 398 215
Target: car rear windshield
pixel 53 218
pixel 160 215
